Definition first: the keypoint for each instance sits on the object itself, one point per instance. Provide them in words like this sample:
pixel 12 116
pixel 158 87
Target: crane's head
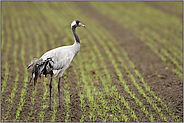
pixel 77 23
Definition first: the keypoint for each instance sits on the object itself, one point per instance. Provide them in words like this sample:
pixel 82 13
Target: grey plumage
pixel 56 61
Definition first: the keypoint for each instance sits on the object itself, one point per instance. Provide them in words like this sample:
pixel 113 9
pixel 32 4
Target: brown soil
pixel 169 88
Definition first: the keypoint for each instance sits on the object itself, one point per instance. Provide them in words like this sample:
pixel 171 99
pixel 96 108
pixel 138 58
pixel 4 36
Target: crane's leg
pixel 59 92
pixel 50 90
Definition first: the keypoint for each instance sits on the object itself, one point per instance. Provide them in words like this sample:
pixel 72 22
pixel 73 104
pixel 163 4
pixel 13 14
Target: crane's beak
pixel 80 24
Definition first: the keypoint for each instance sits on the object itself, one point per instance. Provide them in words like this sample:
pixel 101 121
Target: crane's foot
pixel 59 106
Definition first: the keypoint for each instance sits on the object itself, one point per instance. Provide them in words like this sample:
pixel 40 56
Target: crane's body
pixel 56 61
pixel 61 57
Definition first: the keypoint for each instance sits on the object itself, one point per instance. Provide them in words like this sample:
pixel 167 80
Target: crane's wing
pixel 61 59
pixel 62 63
pixel 61 66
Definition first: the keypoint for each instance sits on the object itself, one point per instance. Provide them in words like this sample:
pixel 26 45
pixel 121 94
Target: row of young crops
pixel 166 44
pixel 32 24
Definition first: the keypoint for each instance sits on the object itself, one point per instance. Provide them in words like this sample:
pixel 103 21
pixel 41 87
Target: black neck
pixel 75 34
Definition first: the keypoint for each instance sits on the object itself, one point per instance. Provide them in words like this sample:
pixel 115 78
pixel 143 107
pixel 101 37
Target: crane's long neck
pixel 75 35
pixel 76 46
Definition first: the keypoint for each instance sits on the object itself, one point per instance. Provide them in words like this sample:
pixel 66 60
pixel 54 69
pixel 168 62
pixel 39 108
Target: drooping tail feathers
pixel 40 66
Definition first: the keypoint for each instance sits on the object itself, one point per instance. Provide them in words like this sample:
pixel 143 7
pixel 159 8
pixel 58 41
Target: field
pixel 129 67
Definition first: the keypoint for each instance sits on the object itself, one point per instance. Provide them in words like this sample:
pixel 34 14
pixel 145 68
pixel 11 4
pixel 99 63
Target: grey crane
pixel 56 61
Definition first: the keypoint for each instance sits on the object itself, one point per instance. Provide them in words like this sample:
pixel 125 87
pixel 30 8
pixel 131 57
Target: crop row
pixel 167 43
pixel 177 52
pixel 6 65
pixel 149 15
pixel 134 25
pixel 44 103
pixel 2 33
pixel 22 53
pixel 164 58
pixel 14 89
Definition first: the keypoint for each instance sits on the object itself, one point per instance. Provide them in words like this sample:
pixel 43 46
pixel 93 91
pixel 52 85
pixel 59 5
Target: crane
pixel 56 61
